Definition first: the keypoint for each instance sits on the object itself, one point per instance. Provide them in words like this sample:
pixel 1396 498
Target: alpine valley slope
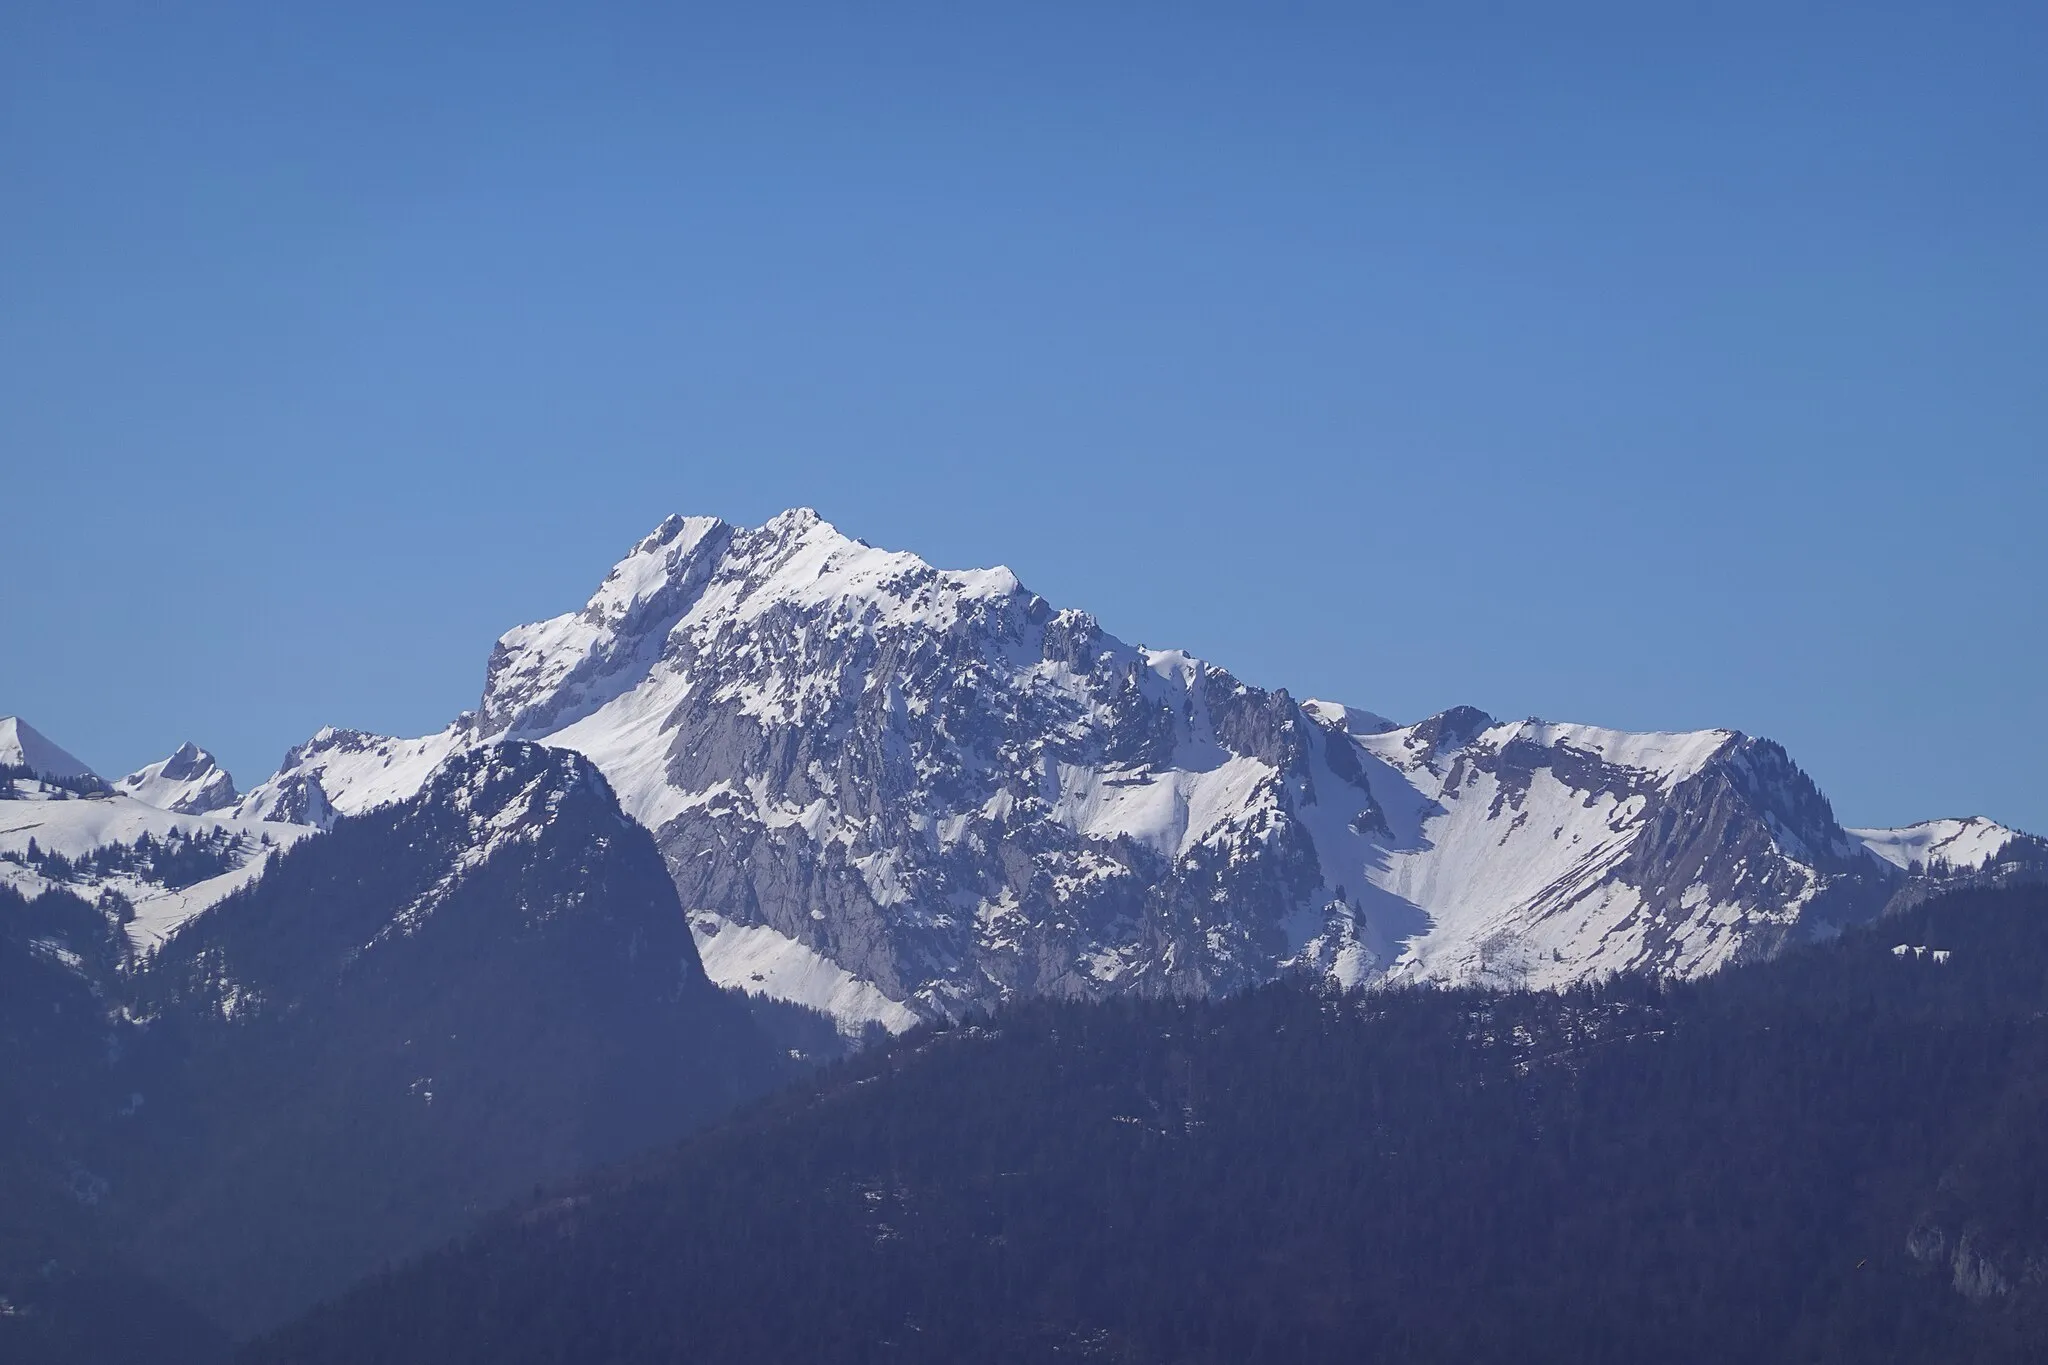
pixel 160 845
pixel 891 792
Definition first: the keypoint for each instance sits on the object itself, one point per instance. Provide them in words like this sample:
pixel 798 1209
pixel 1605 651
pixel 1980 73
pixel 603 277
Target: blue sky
pixel 1656 366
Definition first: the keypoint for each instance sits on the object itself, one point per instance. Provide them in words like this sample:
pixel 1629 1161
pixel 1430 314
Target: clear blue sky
pixel 1657 365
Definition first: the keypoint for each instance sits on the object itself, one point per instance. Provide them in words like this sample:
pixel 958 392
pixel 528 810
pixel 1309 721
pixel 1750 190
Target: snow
pixel 637 578
pixel 359 772
pixel 758 960
pixel 620 719
pixel 189 781
pixel 1349 719
pixel 160 913
pixel 1513 886
pixel 81 824
pixel 1670 757
pixel 541 660
pixel 23 746
pixel 1171 810
pixel 820 566
pixel 78 826
pixel 51 948
pixel 627 741
pixel 1961 845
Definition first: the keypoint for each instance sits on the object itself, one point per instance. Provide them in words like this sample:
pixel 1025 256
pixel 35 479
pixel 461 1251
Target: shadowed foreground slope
pixel 1829 1157
pixel 405 1023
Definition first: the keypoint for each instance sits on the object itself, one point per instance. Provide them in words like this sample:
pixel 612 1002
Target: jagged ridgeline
pixel 1832 1156
pixel 897 792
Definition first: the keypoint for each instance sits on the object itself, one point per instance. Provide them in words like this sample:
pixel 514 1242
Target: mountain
pixel 402 1023
pixel 1951 846
pixel 1828 1157
pixel 189 782
pixel 24 748
pixel 901 793
pixel 157 867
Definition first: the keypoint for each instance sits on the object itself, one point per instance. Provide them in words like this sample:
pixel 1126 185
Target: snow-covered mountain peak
pixel 799 558
pixel 1949 846
pixel 891 791
pixel 346 772
pixel 24 746
pixel 797 521
pixel 696 581
pixel 796 557
pixel 190 782
pixel 1668 757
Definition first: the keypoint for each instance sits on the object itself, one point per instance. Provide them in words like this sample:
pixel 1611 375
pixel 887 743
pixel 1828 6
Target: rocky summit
pixel 892 791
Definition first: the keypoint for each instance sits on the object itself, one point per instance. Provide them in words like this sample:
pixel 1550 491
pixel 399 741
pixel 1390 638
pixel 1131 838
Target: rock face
pixel 894 791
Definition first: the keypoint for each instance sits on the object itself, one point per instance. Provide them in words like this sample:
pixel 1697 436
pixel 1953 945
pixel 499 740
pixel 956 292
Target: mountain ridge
pixel 916 791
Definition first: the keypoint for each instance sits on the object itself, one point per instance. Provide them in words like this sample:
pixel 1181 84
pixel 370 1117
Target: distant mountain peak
pixel 24 746
pixel 1965 845
pixel 189 782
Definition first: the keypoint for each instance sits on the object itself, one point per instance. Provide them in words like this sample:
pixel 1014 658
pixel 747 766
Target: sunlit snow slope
pixel 1953 845
pixel 189 781
pixel 23 746
pixel 167 865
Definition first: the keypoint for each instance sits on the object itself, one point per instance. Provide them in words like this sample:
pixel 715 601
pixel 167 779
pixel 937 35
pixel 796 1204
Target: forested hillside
pixel 1821 1158
pixel 65 1297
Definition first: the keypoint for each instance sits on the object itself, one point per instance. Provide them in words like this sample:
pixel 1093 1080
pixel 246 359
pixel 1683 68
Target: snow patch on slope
pixel 1350 719
pixel 1170 810
pixel 758 960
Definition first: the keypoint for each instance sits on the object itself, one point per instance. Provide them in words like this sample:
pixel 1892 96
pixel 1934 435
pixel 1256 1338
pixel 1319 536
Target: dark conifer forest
pixel 1829 1157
